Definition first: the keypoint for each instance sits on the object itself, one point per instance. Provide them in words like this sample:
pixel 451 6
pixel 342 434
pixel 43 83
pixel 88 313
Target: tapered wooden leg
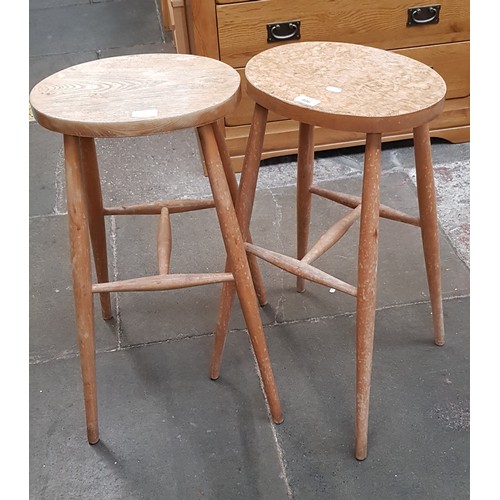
pixel 233 187
pixel 429 226
pixel 222 327
pixel 244 206
pixel 82 281
pixel 367 284
pixel 92 185
pixel 305 169
pixel 228 289
pixel 234 244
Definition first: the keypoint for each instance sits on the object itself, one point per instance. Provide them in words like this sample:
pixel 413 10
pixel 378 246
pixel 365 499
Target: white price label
pixel 145 113
pixel 308 101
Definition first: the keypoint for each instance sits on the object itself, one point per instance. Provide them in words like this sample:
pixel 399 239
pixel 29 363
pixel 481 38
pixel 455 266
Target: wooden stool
pixel 350 88
pixel 132 96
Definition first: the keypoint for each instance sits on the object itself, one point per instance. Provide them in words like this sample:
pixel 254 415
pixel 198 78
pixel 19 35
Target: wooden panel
pixel 451 61
pixel 244 111
pixel 202 27
pixel 166 14
pixel 281 136
pixel 177 19
pixel 454 135
pixel 242 26
pixel 232 1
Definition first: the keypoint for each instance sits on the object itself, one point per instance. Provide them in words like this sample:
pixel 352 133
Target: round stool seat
pixel 345 86
pixel 135 95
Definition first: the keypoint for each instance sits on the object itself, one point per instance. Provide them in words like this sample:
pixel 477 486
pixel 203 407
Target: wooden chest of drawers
pixel 235 30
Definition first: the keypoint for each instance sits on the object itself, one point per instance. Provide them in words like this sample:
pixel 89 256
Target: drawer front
pixel 232 1
pixel 450 60
pixel 281 137
pixel 242 27
pixel 242 115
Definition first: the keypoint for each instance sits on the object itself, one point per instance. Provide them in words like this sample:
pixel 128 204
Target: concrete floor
pixel 167 430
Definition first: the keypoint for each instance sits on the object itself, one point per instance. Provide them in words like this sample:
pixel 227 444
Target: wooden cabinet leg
pixel 305 170
pixel 367 287
pixel 92 183
pixel 82 280
pixel 429 226
pixel 233 241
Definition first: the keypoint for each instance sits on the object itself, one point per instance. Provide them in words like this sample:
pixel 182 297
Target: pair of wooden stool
pixel 340 86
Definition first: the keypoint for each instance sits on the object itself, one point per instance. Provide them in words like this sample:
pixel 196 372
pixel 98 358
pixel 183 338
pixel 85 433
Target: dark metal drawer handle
pixel 288 30
pixel 423 15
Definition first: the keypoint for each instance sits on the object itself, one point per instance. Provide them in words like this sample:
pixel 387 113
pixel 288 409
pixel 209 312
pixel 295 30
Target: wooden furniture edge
pixel 201 21
pixel 166 15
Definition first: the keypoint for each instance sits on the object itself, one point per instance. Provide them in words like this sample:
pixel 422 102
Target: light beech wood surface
pixel 135 95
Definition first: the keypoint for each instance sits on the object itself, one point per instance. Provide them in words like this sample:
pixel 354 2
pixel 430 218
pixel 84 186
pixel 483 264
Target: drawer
pixel 242 115
pixel 242 27
pixel 232 1
pixel 282 136
pixel 450 60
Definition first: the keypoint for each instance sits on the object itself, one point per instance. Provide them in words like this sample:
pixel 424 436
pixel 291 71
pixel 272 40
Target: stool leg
pixel 367 284
pixel 429 226
pixel 305 169
pixel 244 205
pixel 234 244
pixel 82 281
pixel 221 329
pixel 233 187
pixel 92 183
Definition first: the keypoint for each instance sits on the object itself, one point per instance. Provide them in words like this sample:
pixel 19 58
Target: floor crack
pixel 114 270
pixel 279 312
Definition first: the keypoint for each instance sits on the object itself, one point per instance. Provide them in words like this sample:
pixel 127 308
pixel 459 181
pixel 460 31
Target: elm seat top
pixel 136 95
pixel 345 86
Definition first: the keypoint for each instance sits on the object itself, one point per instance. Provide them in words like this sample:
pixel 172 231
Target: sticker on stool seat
pixel 308 101
pixel 145 113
